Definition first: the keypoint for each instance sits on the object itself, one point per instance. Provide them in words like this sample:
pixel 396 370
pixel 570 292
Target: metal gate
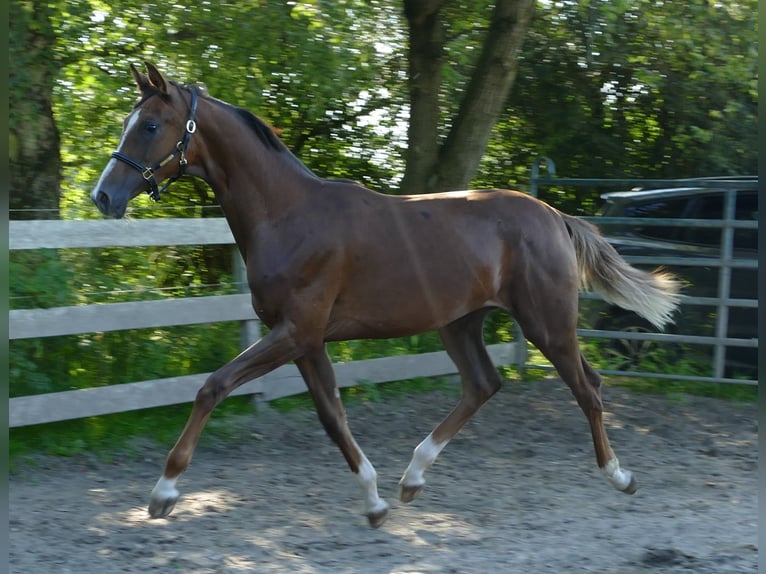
pixel 725 263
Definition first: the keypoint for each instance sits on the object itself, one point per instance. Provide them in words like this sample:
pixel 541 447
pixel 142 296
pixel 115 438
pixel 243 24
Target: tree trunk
pixel 35 161
pixel 425 61
pixel 433 165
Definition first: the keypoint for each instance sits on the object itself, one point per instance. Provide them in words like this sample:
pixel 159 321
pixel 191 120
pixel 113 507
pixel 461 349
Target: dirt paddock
pixel 516 491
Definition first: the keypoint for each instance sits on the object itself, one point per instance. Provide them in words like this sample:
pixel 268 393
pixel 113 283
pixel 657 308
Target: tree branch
pixel 485 95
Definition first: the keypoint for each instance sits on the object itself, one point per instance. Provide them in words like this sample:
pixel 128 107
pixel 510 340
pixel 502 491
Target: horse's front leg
pixel 317 371
pixel 270 352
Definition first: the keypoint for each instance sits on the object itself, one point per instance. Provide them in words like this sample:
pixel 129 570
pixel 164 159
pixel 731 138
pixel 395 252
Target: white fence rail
pixel 285 381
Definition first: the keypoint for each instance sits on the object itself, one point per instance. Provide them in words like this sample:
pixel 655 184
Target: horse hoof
pixel 632 486
pixel 378 517
pixel 410 493
pixel 160 508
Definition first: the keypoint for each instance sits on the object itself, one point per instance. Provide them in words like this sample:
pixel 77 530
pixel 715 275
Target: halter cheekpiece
pixel 147 173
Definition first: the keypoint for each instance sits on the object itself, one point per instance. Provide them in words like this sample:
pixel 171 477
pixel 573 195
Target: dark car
pixel 683 244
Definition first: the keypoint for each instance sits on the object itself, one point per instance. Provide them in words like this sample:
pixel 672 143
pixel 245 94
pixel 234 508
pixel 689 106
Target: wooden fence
pixel 285 381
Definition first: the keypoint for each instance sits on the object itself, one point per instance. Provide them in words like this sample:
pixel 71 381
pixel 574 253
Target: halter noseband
pixel 147 173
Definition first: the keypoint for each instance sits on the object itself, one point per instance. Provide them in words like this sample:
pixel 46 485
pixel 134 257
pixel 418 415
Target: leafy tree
pixel 631 89
pixel 35 164
pixel 402 96
pixel 443 158
pixel 308 72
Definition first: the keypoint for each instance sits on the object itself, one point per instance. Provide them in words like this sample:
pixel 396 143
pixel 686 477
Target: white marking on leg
pixel 165 489
pixel 619 478
pixel 368 480
pixel 422 458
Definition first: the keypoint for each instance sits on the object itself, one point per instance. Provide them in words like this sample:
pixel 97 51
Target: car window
pixel 669 207
pixel 705 206
pixel 710 206
pixel 746 210
pixel 747 206
pixel 673 207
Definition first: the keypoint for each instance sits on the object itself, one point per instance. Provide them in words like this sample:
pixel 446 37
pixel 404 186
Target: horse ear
pixel 155 78
pixel 142 81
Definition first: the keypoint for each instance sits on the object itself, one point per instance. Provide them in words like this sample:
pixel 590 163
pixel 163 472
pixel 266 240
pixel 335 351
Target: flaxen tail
pixel 653 295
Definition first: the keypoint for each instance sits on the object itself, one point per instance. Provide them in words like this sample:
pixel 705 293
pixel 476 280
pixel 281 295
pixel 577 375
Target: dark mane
pixel 259 127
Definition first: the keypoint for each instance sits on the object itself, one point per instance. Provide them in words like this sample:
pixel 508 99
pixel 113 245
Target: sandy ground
pixel 516 491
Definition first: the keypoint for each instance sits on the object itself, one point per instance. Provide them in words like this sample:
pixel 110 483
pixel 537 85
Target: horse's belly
pixel 404 307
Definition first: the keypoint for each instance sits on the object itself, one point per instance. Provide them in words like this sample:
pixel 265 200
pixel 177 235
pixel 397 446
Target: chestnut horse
pixel 330 260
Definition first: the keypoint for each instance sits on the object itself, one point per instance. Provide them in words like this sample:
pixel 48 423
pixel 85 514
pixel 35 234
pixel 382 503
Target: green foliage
pixel 678 389
pixel 355 350
pixel 40 279
pixel 669 359
pixel 631 89
pixel 102 359
pixel 115 437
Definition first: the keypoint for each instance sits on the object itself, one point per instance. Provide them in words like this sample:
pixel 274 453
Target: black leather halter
pixel 154 190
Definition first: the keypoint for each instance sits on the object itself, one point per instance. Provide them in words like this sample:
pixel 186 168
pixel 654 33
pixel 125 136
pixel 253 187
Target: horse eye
pixel 150 127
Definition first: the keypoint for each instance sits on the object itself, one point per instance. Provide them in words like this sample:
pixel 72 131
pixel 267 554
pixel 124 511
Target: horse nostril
pixel 102 201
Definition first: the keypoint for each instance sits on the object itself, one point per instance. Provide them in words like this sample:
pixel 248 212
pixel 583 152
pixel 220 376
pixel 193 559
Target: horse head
pixel 154 143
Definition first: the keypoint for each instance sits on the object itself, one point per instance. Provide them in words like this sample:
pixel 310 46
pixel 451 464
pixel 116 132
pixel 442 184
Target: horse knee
pixel 478 393
pixel 489 387
pixel 210 394
pixel 588 397
pixel 596 404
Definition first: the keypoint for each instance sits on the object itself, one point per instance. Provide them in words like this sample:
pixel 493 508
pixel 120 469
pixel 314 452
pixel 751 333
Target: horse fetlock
pixel 632 485
pixel 377 515
pixel 161 507
pixel 412 481
pixel 622 480
pixel 164 498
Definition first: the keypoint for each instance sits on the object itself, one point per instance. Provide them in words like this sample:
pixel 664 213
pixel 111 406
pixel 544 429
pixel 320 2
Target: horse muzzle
pixel 107 205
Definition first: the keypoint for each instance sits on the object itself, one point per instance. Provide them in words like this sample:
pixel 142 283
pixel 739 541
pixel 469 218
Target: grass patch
pixel 745 393
pixel 111 437
pixel 671 388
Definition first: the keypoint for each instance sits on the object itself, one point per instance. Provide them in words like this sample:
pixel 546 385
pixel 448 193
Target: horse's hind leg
pixel 553 332
pixel 605 458
pixel 317 371
pixel 480 380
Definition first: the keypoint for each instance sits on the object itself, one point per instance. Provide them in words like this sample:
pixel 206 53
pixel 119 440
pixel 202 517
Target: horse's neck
pixel 252 181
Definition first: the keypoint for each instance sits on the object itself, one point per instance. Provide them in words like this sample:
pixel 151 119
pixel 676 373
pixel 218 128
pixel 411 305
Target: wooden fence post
pixel 250 331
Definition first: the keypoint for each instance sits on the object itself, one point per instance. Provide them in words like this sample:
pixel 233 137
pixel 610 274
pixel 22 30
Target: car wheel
pixel 630 354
